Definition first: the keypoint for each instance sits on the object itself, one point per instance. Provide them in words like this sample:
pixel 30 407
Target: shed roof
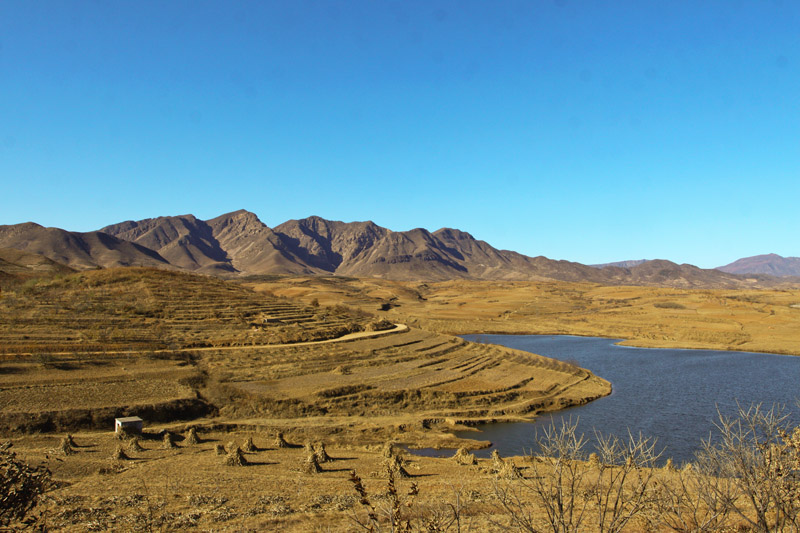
pixel 128 419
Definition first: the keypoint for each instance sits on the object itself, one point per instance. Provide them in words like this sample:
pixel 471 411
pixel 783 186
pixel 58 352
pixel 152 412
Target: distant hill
pixel 18 265
pixel 770 264
pixel 238 243
pixel 622 264
pixel 81 251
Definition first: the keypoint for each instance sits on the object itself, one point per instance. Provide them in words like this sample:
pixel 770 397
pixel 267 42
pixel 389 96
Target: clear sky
pixel 592 131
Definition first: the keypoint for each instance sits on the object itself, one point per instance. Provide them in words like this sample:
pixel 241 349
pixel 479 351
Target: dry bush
pixel 568 492
pixel 21 485
pixel 397 511
pixel 688 501
pixel 757 451
pixel 669 305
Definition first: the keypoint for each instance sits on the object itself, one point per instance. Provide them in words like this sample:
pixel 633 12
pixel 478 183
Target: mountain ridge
pixel 240 244
pixel 770 264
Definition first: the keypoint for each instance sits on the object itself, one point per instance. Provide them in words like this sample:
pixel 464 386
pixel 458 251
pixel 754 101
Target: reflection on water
pixel 669 394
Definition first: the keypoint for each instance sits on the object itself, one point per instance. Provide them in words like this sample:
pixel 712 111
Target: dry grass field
pixel 314 360
pixel 765 320
pixel 189 488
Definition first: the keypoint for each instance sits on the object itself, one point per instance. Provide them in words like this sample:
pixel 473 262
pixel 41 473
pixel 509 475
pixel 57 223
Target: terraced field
pixel 83 348
pixel 143 309
pixel 409 373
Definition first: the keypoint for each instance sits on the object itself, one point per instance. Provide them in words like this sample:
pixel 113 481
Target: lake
pixel 669 394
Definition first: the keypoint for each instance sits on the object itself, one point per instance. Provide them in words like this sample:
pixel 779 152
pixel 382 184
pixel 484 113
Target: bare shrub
pixel 400 511
pixel 689 501
pixel 21 485
pixel 568 490
pixel 758 452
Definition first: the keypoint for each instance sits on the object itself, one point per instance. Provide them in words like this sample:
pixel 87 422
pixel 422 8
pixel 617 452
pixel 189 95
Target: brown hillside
pixel 184 241
pixel 19 264
pixel 327 244
pixel 239 243
pixel 78 250
pixel 254 248
pixel 770 264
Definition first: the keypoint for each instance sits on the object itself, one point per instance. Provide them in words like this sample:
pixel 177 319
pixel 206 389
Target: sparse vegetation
pixel 21 486
pixel 206 349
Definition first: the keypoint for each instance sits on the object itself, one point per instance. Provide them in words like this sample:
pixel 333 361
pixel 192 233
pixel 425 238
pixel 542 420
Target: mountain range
pixel 770 264
pixel 239 244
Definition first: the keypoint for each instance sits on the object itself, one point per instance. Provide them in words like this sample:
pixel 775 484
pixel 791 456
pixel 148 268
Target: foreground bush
pixel 20 486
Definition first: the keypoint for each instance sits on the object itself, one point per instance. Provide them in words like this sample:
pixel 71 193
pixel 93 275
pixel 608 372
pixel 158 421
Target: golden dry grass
pixel 220 345
pixel 746 320
pixel 101 343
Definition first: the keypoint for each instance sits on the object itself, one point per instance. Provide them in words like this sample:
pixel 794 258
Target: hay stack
pixel 219 449
pixel 64 447
pixel 169 441
pixel 311 465
pixel 497 462
pixel 388 450
pixel 134 445
pixel 280 442
pixel 70 441
pixel 396 465
pixel 322 454
pixel 504 469
pixel 463 457
pixel 191 436
pixel 119 454
pixel 510 471
pixel 235 458
pixel 248 445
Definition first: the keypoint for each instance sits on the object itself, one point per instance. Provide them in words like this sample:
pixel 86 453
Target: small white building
pixel 129 424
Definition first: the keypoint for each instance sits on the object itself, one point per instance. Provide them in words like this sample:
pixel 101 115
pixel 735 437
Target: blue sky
pixel 589 131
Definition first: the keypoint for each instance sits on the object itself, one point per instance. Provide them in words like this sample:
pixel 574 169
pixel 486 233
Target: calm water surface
pixel 669 394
